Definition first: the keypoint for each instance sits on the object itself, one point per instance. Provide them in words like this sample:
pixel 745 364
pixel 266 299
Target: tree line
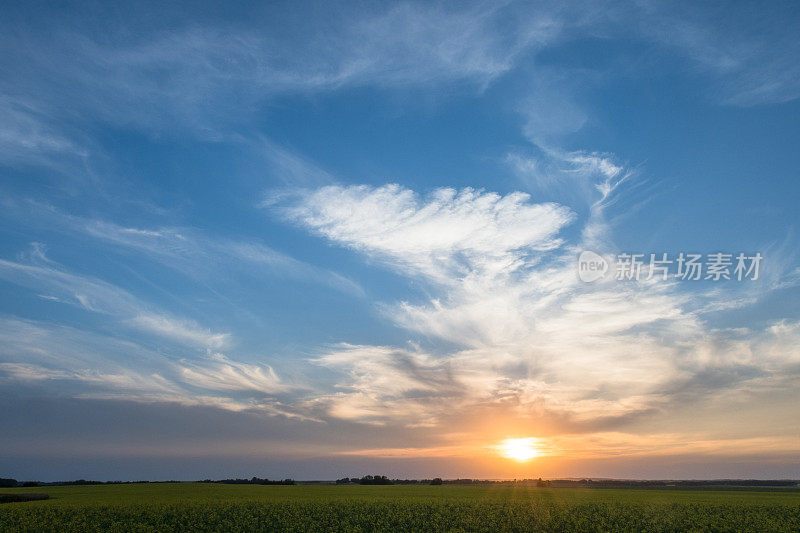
pixel 384 480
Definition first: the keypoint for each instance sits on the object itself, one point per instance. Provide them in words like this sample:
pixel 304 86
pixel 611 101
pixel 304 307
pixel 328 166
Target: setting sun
pixel 519 449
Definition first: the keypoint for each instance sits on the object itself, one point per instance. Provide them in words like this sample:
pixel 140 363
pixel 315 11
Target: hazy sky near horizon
pixel 317 240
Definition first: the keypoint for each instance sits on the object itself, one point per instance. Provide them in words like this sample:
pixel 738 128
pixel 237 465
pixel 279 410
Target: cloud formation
pixel 446 236
pixel 531 339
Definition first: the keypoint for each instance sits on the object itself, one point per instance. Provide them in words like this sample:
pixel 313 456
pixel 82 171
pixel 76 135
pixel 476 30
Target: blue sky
pixel 315 240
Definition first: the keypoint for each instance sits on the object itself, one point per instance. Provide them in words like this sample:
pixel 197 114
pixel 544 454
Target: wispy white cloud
pixel 289 167
pixel 27 137
pixel 220 373
pixel 446 236
pixel 187 250
pixel 77 363
pixel 196 254
pixel 187 76
pixel 749 52
pixel 187 331
pixel 97 296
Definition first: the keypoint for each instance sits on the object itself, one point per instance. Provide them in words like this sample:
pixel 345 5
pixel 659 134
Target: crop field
pixel 215 507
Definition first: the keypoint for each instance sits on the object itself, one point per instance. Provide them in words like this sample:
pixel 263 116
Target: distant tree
pixel 436 481
pixel 375 480
pixel 8 482
pixel 343 481
pixel 254 481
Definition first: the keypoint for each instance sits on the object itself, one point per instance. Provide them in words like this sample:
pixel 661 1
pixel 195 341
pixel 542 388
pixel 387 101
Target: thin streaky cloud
pixel 97 296
pixel 188 250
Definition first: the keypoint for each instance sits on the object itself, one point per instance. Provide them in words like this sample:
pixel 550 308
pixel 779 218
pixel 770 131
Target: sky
pixel 316 240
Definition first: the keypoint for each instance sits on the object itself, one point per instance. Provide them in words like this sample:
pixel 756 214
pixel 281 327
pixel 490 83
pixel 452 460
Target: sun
pixel 519 449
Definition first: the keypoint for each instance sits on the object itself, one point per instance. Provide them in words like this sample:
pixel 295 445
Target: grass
pixel 215 507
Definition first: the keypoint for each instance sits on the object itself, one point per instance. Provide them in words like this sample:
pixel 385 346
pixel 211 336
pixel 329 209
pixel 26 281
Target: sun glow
pixel 519 449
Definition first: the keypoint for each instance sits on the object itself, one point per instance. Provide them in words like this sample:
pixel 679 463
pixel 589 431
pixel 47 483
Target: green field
pixel 215 507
